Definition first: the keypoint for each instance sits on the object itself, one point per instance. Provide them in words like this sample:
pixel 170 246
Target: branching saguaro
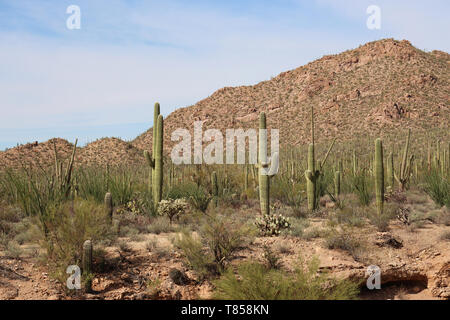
pixel 405 167
pixel 312 175
pixel 155 161
pixel 263 165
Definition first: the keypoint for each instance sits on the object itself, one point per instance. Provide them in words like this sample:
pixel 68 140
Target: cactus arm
pixel 328 153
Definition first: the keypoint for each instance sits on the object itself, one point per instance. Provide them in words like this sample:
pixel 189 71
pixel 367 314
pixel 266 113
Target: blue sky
pixel 103 79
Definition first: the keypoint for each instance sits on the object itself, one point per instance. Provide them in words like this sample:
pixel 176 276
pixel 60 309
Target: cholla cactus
pixel 271 225
pixel 172 208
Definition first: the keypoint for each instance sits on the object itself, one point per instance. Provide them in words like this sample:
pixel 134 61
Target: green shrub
pixel 438 188
pixel 271 260
pixel 360 186
pixel 120 186
pixel 254 281
pixel 350 217
pixel 91 183
pixel 196 195
pixel 69 225
pixel 219 240
pixel 271 225
pixel 298 227
pixel 172 208
pixel 344 241
pixel 197 257
pixel 223 238
pixel 159 225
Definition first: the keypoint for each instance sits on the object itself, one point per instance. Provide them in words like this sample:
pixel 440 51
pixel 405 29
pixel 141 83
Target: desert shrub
pixel 323 183
pixel 159 225
pixel 360 186
pixel 381 222
pixel 344 241
pixel 136 205
pixel 445 236
pixel 219 240
pixel 272 225
pixel 272 261
pixel 120 186
pixel 287 191
pixel 254 281
pixel 124 246
pixel 69 225
pixel 172 208
pixel 13 250
pixel 91 183
pixel 198 197
pixel 312 233
pixel 197 257
pixel 438 188
pixel 33 192
pixel 298 227
pixel 283 247
pixel 350 216
pixel 223 238
pixel 183 190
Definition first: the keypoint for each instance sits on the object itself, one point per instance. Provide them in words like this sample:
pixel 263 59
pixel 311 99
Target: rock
pixel 386 239
pixel 141 296
pixel 11 293
pixel 178 277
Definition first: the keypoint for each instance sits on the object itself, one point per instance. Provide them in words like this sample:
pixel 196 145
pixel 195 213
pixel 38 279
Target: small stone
pixel 178 277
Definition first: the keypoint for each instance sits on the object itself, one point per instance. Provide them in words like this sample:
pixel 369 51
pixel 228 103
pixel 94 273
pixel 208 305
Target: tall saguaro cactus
pixel 109 205
pixel 264 182
pixel 155 161
pixel 156 113
pixel 379 176
pixel 158 178
pixel 87 263
pixel 150 158
pixel 337 183
pixel 312 175
pixel 390 171
pixel 214 187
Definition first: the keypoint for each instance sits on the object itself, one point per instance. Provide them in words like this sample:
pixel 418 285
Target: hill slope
pixel 377 89
pixel 374 89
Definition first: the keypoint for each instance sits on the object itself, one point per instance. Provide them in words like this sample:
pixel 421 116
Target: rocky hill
pixel 377 89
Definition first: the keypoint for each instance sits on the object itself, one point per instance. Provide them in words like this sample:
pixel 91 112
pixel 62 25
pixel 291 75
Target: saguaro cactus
pixel 245 178
pixel 337 183
pixel 87 263
pixel 151 164
pixel 109 205
pixel 155 161
pixel 379 176
pixel 156 113
pixel 214 187
pixel 312 175
pixel 158 178
pixel 264 182
pixel 405 167
pixel 390 171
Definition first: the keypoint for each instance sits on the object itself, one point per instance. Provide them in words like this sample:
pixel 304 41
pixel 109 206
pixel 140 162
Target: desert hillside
pixel 378 89
pixel 374 89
